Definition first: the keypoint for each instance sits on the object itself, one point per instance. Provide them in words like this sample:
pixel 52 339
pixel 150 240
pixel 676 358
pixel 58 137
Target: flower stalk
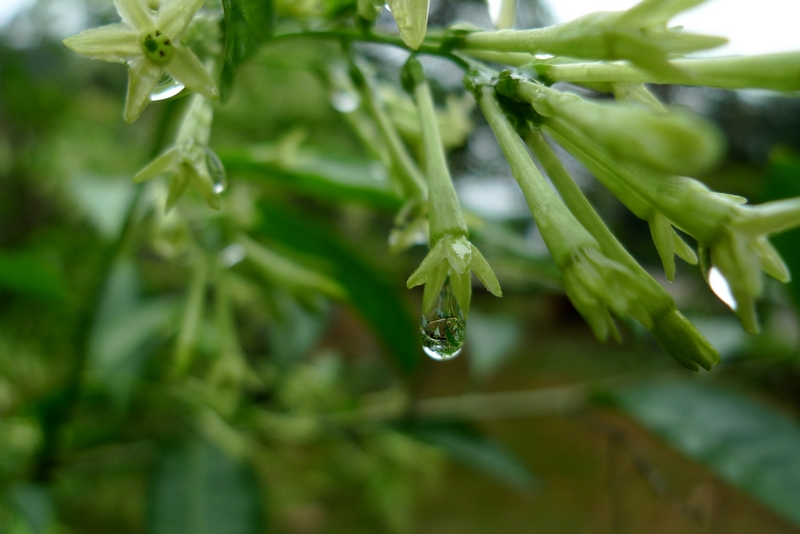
pixel 451 254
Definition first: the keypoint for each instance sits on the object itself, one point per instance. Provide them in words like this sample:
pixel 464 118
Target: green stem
pixel 774 217
pixel 444 210
pixel 411 181
pixel 561 231
pixel 429 46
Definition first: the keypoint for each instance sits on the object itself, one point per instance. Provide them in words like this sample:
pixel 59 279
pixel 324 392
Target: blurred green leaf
pixel 746 443
pixel 329 178
pixel 30 276
pixel 248 23
pixel 783 181
pixel 121 336
pixel 369 290
pixel 469 447
pixel 492 339
pixel 35 504
pixel 198 489
pixel 104 202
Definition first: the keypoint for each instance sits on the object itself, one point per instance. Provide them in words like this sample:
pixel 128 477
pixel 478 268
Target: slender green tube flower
pixel 190 159
pixel 732 237
pixel 412 20
pixel 149 43
pixel 404 170
pixel 288 274
pixel 606 169
pixel 677 336
pixel 594 283
pixel 605 166
pixel 777 72
pixel 674 142
pixel 639 35
pixel 451 252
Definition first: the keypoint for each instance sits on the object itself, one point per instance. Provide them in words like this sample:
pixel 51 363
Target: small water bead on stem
pixel 443 329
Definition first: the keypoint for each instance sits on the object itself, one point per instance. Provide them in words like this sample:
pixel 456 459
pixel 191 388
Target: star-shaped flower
pixel 149 43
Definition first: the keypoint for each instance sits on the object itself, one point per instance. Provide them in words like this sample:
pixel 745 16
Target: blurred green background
pixel 298 413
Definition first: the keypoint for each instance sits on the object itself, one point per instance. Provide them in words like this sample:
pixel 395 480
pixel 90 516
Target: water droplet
pixel 166 88
pixel 719 285
pixel 378 171
pixel 216 171
pixel 345 101
pixel 232 254
pixel 444 328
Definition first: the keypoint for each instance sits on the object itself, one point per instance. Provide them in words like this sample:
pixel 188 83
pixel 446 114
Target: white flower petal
pixel 174 17
pixel 116 43
pixel 144 75
pixel 135 14
pixel 184 67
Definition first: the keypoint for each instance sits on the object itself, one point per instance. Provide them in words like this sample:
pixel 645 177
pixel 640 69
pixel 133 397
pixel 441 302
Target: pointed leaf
pixel 749 444
pixel 197 488
pixel 248 23
pixel 369 289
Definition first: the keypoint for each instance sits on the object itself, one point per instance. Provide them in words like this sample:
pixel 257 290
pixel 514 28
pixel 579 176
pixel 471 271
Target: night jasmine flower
pixel 148 42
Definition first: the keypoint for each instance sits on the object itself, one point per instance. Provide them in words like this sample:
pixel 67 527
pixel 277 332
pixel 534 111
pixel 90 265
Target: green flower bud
pixel 639 35
pixel 412 20
pixel 674 142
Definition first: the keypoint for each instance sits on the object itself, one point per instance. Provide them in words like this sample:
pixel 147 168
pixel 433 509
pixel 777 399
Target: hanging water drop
pixel 444 328
pixel 216 171
pixel 166 88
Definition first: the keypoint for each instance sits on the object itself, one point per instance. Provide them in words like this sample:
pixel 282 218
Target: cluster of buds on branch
pixel 646 154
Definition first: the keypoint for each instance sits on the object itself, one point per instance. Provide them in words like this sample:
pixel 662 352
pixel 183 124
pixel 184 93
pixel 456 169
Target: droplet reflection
pixel 443 329
pixel 166 88
pixel 719 285
pixel 216 171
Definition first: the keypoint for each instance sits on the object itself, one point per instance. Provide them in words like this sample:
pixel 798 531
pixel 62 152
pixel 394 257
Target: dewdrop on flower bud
pixel 444 328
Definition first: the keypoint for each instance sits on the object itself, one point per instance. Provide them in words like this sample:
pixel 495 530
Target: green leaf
pixel 492 339
pixel 370 290
pixel 34 504
pixel 746 443
pixel 248 23
pixel 467 446
pixel 198 489
pixel 30 276
pixel 122 336
pixel 323 176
